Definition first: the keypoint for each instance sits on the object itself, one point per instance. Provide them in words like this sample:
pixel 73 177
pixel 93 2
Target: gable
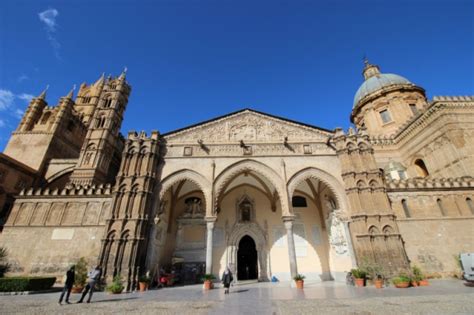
pixel 249 126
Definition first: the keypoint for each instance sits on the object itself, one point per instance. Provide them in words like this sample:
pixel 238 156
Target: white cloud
pixel 48 17
pixel 22 78
pixel 6 99
pixel 18 113
pixel 25 97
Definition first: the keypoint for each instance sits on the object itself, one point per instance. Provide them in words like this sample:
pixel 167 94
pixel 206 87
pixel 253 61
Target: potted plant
pixel 116 287
pixel 144 282
pixel 375 272
pixel 207 278
pixel 378 282
pixel 419 277
pixel 299 279
pixel 81 276
pixel 402 281
pixel 359 276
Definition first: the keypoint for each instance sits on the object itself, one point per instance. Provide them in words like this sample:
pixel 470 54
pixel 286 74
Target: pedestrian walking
pixel 227 279
pixel 93 278
pixel 70 276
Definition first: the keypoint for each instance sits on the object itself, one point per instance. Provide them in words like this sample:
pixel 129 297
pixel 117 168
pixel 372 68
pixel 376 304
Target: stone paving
pixel 441 297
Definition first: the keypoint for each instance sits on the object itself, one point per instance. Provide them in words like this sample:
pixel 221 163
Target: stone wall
pixel 47 231
pixel 433 243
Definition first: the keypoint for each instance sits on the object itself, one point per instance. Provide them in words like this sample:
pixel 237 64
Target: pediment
pixel 249 126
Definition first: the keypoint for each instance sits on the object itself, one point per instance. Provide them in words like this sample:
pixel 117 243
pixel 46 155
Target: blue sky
pixel 190 61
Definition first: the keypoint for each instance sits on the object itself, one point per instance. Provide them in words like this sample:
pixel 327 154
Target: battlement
pixel 70 190
pixel 418 183
pixel 142 135
pixel 466 98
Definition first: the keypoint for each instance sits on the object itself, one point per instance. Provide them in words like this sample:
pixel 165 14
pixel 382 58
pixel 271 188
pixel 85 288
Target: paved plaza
pixel 441 297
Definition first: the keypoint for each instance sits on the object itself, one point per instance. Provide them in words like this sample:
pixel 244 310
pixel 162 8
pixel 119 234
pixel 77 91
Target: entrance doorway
pixel 247 267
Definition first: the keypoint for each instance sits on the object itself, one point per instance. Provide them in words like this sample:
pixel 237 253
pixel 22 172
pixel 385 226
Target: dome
pixel 376 83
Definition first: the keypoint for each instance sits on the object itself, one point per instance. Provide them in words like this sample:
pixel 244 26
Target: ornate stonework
pixel 248 126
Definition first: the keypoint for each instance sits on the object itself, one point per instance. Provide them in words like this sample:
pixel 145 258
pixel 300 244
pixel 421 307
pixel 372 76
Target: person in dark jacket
pixel 94 277
pixel 227 279
pixel 70 276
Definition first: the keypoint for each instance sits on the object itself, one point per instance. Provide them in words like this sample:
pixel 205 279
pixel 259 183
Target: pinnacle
pixel 42 96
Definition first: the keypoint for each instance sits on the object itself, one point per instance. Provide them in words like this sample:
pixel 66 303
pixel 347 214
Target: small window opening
pixel 441 207
pixel 299 202
pixel 421 168
pixel 406 209
pixel 385 115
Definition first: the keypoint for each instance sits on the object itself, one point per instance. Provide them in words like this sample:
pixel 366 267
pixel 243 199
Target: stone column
pixel 210 231
pixel 288 221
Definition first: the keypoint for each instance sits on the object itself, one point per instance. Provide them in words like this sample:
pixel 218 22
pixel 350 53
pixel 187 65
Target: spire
pixel 124 72
pixel 42 96
pixel 71 93
pixel 370 70
pixel 101 80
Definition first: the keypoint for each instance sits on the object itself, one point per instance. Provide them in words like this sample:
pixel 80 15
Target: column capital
pixel 209 219
pixel 288 218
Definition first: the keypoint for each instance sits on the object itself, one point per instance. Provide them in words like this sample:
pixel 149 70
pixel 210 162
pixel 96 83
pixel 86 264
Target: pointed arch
pixel 229 173
pixel 192 176
pixel 330 181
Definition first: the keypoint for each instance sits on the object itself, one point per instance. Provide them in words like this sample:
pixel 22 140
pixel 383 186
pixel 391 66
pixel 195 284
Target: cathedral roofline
pixel 241 111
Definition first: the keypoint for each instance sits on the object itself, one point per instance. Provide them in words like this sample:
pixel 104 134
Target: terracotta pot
pixel 143 286
pixel 359 282
pixel 207 284
pixel 424 283
pixel 402 285
pixel 299 284
pixel 378 283
pixel 77 289
pixel 414 283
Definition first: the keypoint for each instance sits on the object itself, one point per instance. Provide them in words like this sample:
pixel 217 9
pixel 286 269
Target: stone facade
pixel 261 194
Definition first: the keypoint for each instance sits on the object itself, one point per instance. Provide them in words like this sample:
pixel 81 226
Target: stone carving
pixel 337 236
pixel 248 126
pixel 193 208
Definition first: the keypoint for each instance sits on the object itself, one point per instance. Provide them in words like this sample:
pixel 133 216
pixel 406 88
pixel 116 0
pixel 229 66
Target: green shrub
pixel 372 269
pixel 359 273
pixel 208 276
pixel 81 272
pixel 417 274
pixel 401 278
pixel 298 277
pixel 144 278
pixel 17 284
pixel 116 286
pixel 4 266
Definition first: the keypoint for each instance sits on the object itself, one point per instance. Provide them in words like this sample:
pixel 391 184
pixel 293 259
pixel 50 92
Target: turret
pixel 33 112
pixel 100 154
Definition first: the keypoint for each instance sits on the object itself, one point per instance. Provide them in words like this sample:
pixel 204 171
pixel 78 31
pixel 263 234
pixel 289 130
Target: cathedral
pixel 264 195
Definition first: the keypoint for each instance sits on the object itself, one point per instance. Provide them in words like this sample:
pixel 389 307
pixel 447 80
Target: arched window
pixel 441 207
pixel 108 102
pixel 421 168
pixel 373 230
pixel 470 205
pixel 100 122
pixel 405 208
pixel 298 202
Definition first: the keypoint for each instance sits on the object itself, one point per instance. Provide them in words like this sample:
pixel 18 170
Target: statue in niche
pixel 245 208
pixel 337 236
pixel 193 207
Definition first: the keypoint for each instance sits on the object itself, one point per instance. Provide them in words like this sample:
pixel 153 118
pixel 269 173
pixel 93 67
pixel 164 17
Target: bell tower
pixel 99 158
